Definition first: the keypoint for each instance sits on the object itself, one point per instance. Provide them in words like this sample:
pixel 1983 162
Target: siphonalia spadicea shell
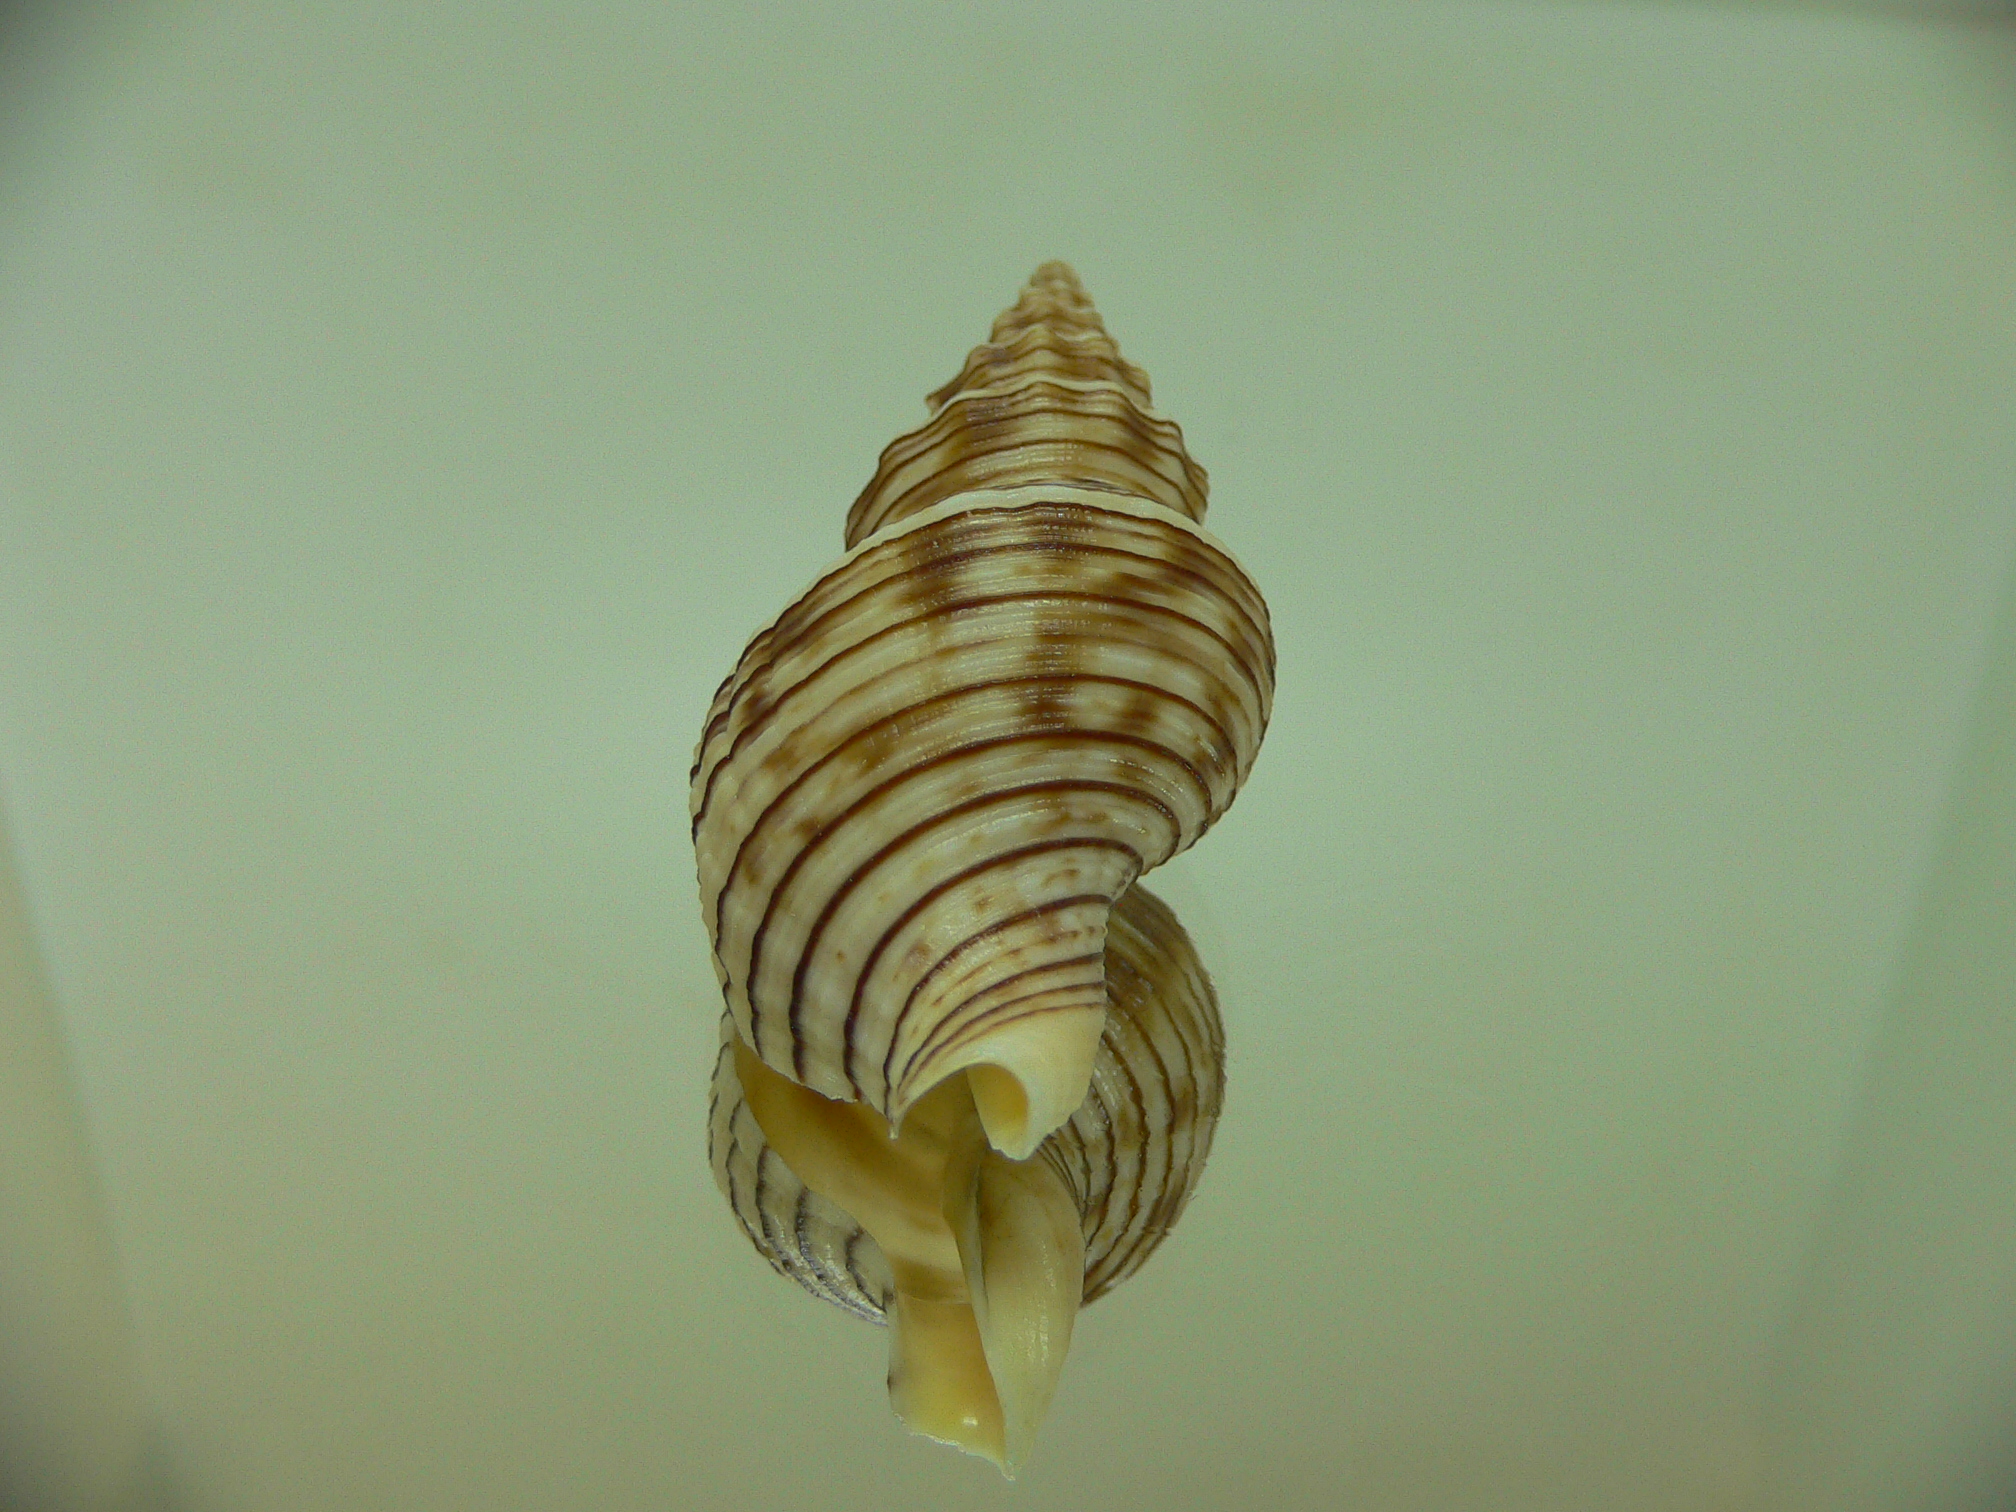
pixel 921 803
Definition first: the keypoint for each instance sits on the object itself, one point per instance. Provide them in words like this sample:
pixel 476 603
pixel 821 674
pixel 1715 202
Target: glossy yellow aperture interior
pixel 986 1252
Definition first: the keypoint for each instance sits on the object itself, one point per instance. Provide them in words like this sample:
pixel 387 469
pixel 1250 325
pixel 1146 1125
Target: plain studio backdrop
pixel 407 412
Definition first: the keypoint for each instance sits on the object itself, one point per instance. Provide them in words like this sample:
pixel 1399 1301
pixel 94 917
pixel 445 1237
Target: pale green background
pixel 406 412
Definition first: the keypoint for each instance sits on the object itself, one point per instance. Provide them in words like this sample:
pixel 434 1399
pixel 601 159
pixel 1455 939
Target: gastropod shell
pixel 955 1025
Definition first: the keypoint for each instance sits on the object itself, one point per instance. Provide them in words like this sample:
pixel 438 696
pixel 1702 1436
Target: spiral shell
pixel 1125 1165
pixel 921 804
pixel 1032 678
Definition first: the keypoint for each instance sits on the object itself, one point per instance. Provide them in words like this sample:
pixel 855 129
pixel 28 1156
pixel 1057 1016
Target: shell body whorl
pixel 1130 1155
pixel 1032 678
pixel 979 1265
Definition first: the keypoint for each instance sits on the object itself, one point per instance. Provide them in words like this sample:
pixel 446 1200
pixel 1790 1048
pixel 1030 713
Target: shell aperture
pixel 971 1278
pixel 921 803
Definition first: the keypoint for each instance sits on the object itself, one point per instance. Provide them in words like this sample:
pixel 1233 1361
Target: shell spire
pixel 1047 399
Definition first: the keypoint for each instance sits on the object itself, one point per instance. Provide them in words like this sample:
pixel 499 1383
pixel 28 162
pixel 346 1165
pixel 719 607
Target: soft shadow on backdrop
pixel 407 412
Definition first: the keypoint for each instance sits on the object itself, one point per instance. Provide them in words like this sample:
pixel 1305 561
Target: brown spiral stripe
pixel 1032 678
pixel 1131 1155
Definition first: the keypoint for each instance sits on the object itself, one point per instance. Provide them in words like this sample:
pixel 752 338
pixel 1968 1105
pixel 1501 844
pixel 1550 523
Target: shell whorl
pixel 1130 1155
pixel 1032 678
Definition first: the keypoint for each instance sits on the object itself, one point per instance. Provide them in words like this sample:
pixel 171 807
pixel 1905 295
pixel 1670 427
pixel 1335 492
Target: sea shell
pixel 1033 677
pixel 921 804
pixel 1107 1188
